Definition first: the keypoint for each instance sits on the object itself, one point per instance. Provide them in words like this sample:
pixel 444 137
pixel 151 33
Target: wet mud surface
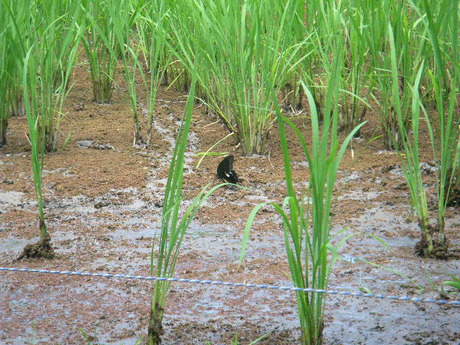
pixel 103 206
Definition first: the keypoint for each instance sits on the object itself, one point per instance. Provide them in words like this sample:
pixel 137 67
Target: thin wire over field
pixel 231 284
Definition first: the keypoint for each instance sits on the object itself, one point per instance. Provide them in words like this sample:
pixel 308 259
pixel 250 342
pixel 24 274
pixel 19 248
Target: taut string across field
pixel 231 284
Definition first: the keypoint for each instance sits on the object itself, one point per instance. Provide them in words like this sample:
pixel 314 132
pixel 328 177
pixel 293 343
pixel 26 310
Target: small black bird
pixel 225 170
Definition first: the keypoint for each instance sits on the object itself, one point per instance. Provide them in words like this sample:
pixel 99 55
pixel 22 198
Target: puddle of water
pixel 210 245
pixel 11 198
pixel 61 171
pixel 13 244
pixel 359 195
pixel 131 234
pixel 354 176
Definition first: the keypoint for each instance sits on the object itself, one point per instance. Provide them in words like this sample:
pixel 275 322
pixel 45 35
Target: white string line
pixel 258 286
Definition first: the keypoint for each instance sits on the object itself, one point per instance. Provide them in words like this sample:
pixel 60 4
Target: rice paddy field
pixel 343 120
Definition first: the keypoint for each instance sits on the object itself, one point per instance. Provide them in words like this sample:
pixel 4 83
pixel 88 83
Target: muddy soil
pixel 103 206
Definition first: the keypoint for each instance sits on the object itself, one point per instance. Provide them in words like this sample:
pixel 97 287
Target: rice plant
pixel 442 123
pixel 6 64
pixel 411 169
pixel 37 143
pixel 100 43
pixel 353 104
pixel 124 15
pixel 446 90
pixel 49 42
pixel 245 58
pixel 455 282
pixel 306 223
pixel 391 90
pixel 173 227
pixel 50 28
pixel 151 32
pixel 15 37
pixel 57 38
